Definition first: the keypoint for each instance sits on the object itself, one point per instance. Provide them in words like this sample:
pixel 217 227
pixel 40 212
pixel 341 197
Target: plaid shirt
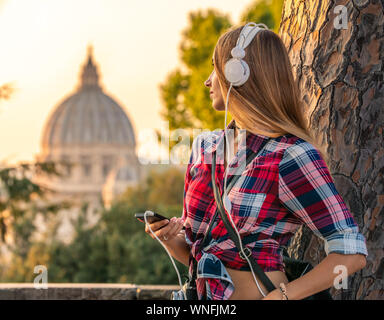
pixel 287 185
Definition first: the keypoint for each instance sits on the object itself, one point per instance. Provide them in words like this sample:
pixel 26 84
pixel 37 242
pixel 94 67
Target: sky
pixel 44 43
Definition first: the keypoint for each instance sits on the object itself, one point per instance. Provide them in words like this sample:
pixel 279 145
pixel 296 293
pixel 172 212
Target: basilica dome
pixel 88 116
pixel 89 136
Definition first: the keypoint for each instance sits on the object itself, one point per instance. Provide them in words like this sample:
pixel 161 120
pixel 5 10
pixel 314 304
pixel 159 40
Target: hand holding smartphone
pixel 152 217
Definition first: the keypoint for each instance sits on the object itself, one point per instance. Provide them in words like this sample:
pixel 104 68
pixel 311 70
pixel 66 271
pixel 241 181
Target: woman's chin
pixel 218 106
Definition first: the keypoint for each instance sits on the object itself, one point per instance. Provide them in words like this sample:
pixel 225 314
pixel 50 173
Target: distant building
pixel 91 134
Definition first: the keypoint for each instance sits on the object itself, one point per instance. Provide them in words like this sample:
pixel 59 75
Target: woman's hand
pixel 174 238
pixel 274 295
pixel 165 230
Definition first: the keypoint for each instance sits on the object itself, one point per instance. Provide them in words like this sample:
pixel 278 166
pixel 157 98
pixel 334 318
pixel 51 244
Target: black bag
pixel 190 289
pixel 295 269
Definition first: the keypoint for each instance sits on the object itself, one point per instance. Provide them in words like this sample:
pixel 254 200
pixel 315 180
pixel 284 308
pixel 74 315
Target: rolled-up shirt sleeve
pixel 306 189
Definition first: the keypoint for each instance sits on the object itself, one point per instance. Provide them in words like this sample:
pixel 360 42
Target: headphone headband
pixel 248 32
pixel 236 70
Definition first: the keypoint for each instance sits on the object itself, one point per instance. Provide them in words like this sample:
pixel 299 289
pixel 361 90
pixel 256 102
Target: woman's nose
pixel 207 82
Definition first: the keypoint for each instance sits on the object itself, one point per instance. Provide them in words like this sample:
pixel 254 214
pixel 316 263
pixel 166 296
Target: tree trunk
pixel 340 74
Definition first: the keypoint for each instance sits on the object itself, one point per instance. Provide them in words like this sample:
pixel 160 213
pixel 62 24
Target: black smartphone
pixel 151 217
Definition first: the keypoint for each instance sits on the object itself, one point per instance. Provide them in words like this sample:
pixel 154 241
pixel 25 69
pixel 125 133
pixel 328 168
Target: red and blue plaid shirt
pixel 286 185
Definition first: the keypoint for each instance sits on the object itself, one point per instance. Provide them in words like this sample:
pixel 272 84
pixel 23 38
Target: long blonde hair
pixel 269 102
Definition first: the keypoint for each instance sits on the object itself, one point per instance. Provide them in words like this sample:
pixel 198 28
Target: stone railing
pixel 85 291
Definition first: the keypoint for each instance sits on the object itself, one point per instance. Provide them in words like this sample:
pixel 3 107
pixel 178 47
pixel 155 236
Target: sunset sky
pixel 44 43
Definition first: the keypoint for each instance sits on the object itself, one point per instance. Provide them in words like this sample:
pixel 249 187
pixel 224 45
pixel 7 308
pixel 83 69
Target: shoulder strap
pixel 231 181
pixel 256 268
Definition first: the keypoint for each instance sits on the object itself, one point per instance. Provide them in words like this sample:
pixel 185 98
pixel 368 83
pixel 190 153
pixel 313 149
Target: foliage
pixel 116 249
pixel 264 11
pixel 21 200
pixel 183 94
pixel 186 101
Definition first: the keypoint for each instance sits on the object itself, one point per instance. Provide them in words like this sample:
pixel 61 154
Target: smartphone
pixel 151 217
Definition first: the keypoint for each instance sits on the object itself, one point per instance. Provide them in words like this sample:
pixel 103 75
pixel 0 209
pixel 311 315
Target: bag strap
pixel 230 182
pixel 232 233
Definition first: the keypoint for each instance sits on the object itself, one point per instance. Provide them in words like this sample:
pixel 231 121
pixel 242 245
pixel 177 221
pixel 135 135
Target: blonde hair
pixel 269 102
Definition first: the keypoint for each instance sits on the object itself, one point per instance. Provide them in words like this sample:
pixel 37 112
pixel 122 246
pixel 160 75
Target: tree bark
pixel 340 74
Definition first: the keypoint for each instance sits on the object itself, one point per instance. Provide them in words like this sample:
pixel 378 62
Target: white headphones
pixel 236 71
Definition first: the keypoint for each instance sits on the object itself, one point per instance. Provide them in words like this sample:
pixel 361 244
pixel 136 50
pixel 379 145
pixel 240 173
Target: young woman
pixel 287 185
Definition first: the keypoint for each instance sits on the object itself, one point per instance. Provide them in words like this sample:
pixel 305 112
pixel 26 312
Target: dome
pixel 88 117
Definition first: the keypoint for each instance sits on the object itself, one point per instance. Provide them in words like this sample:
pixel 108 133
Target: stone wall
pixel 85 291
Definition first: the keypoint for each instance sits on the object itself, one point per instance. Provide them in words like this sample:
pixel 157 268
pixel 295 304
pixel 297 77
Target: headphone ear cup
pixel 236 71
pixel 233 70
pixel 245 76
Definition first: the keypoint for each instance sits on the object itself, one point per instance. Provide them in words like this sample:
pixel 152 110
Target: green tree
pixel 19 195
pixel 264 11
pixel 116 249
pixel 186 101
pixel 160 189
pixel 21 200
